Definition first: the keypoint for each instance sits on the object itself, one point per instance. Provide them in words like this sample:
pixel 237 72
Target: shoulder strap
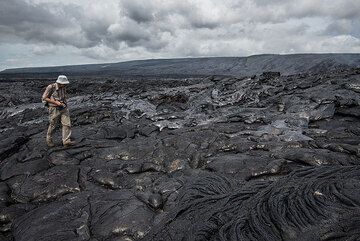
pixel 53 88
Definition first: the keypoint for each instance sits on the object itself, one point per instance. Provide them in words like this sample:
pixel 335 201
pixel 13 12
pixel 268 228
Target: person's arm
pixel 55 102
pixel 46 97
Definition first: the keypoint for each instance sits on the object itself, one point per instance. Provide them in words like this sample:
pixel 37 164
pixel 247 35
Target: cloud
pixel 44 50
pixel 125 29
pixel 338 42
pixel 139 11
pixel 338 28
pixel 283 10
pixel 343 27
pixel 17 13
pixel 45 23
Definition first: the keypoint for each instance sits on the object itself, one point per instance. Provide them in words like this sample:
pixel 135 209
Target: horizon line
pixel 176 58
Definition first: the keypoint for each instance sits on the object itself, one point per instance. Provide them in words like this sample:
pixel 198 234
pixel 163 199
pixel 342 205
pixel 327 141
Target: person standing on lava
pixel 55 98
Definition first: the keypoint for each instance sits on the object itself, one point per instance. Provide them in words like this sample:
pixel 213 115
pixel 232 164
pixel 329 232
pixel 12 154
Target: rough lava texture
pixel 266 157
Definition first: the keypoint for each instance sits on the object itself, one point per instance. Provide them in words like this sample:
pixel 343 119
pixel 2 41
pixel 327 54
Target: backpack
pixel 45 103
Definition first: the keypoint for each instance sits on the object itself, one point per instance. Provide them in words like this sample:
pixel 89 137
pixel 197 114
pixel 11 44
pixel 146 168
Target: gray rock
pixel 270 157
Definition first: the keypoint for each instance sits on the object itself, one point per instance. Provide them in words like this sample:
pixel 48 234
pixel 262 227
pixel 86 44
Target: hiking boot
pixel 69 143
pixel 50 143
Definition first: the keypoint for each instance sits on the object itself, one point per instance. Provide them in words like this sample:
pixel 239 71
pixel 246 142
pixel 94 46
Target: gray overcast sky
pixel 49 32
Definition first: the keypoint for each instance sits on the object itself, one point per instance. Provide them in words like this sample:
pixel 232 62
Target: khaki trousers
pixel 54 116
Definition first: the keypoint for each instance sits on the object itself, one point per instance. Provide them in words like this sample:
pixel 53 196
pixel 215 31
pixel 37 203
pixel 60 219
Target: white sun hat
pixel 62 79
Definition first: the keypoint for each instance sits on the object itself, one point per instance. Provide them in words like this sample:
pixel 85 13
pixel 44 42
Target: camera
pixel 61 107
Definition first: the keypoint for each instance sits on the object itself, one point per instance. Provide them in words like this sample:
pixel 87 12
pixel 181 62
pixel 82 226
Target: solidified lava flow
pixel 268 157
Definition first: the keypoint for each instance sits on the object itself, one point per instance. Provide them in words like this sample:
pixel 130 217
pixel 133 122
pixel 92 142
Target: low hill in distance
pixel 236 66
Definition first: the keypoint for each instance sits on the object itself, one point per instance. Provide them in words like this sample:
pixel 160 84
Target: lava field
pixel 266 157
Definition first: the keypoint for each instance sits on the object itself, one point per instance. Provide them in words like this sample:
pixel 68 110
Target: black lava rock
pixel 272 157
